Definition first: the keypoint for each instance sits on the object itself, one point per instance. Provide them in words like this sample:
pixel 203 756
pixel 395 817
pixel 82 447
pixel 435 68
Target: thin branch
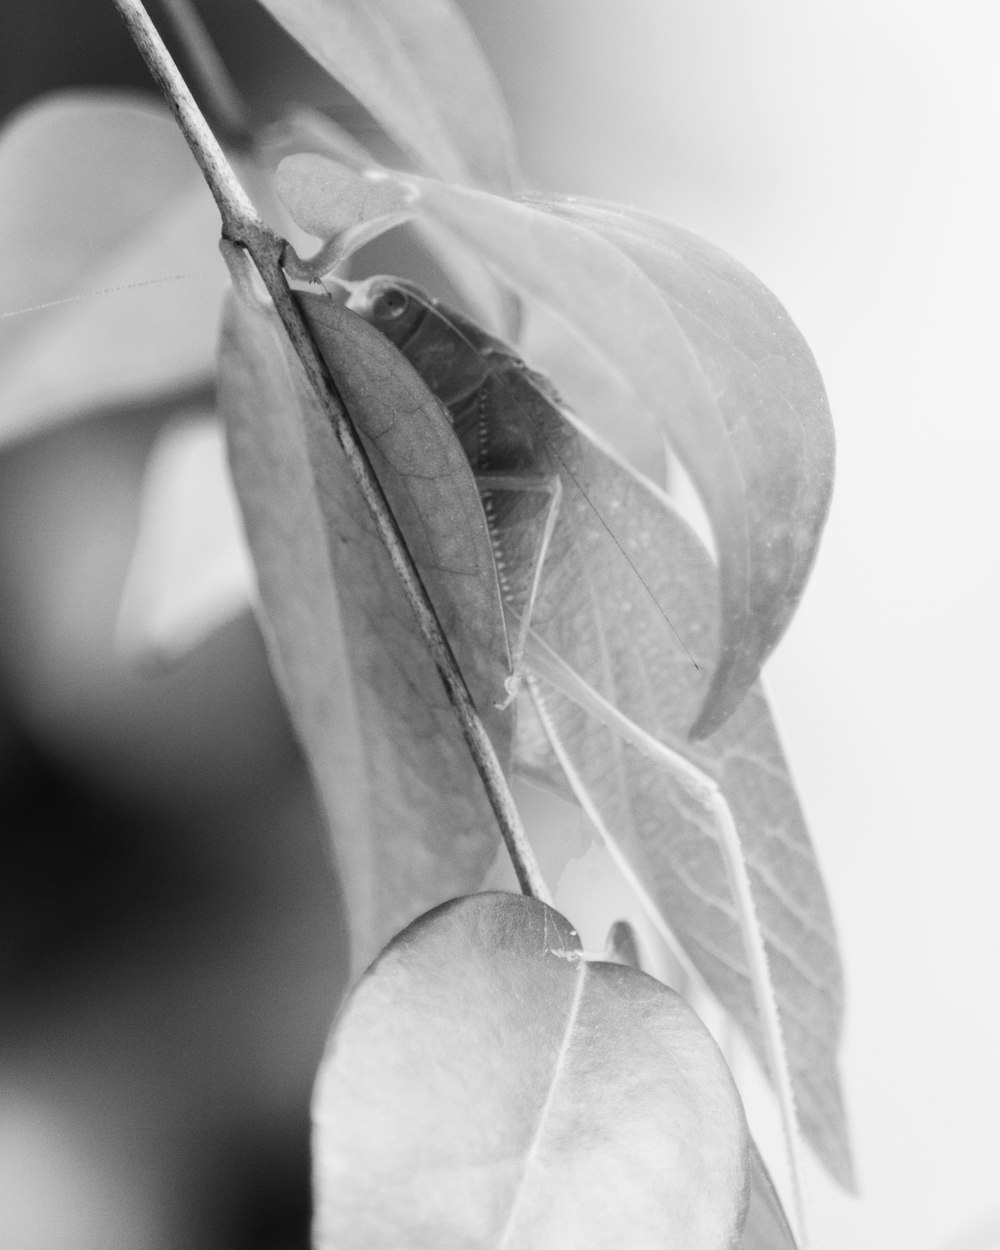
pixel 243 228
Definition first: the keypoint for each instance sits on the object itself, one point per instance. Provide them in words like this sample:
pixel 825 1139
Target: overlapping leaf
pixel 602 615
pixel 486 1086
pixel 417 68
pixel 190 571
pixel 695 337
pixel 409 819
pixel 770 396
pixel 99 192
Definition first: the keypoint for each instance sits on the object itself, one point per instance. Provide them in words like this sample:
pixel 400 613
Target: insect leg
pixel 551 486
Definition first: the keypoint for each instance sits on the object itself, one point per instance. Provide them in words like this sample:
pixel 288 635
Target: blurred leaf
pixel 417 68
pixel 99 192
pixel 767 1226
pixel 190 571
pixel 606 626
pixel 487 1086
pixel 771 398
pixel 407 811
pixel 623 946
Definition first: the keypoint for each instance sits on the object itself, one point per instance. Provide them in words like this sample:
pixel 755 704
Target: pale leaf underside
pixel 486 1086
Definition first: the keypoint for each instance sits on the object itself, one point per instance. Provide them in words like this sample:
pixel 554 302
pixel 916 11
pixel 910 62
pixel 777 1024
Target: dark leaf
pixel 407 812
pixel 486 1086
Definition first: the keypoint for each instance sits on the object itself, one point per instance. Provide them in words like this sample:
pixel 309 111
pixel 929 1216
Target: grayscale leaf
pixel 190 571
pixel 406 809
pixel 771 398
pixel 97 193
pixel 417 68
pixel 622 946
pixel 607 626
pixel 767 1226
pixel 487 1086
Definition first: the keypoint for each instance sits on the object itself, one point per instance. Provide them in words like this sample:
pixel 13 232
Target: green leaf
pixel 487 1086
pixel 407 812
pixel 417 68
pixel 771 399
pixel 99 192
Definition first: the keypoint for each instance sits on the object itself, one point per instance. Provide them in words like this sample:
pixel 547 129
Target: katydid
pixel 512 426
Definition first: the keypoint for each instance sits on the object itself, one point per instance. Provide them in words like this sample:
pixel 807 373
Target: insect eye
pixel 390 304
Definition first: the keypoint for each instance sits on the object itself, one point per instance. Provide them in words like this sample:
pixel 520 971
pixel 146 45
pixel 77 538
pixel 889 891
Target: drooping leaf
pixel 406 809
pixel 772 401
pixel 417 68
pixel 487 1086
pixel 190 571
pixel 605 625
pixel 98 192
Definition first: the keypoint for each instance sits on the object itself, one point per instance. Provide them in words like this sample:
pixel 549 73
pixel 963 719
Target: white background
pixel 848 154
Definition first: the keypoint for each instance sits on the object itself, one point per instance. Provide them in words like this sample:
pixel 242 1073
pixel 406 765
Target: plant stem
pixel 243 227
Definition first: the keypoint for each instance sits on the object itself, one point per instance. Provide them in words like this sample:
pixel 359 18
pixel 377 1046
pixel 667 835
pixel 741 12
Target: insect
pixel 529 460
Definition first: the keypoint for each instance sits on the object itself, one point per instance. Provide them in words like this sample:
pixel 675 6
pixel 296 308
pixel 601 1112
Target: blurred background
pixel 170 947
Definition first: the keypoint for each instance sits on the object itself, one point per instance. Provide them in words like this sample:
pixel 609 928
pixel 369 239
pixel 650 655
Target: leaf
pixel 98 192
pixel 406 809
pixel 767 1226
pixel 417 68
pixel 190 571
pixel 624 319
pixel 604 624
pixel 771 398
pixel 487 1086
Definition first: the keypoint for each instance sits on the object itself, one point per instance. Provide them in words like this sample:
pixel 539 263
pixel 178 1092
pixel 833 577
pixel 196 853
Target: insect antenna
pixel 109 290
